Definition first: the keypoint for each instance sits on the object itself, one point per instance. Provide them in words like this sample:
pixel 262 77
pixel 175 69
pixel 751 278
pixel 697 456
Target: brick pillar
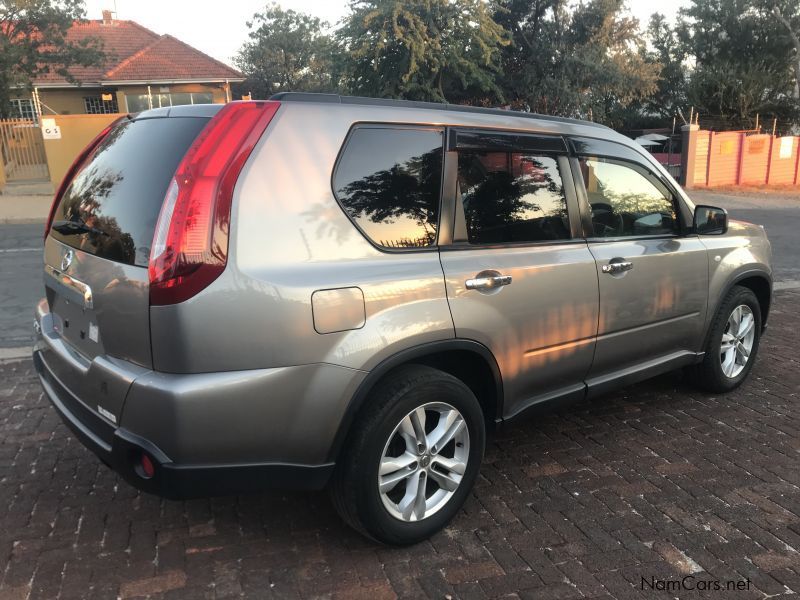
pixel 688 154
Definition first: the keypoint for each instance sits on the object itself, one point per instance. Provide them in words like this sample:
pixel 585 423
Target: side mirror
pixel 710 220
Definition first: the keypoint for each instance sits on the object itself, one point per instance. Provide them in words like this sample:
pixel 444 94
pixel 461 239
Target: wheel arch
pixel 756 280
pixel 761 285
pixel 468 360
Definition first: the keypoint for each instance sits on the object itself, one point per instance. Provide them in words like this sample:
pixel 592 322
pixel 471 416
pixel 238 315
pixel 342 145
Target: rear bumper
pixel 122 450
pixel 206 433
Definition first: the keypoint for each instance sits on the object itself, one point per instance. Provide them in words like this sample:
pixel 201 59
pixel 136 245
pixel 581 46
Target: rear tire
pixel 732 343
pixel 392 483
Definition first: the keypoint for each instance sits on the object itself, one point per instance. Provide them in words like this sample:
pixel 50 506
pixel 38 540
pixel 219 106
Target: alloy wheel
pixel 737 341
pixel 423 461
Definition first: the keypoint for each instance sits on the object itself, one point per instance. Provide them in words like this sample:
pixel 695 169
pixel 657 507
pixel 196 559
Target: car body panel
pixel 241 375
pixel 655 309
pixel 279 415
pixel 543 346
pixel 743 251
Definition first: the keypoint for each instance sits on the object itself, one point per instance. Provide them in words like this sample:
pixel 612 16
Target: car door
pixel 520 279
pixel 652 272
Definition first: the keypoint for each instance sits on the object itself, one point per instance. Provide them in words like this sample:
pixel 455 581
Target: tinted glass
pixel 512 197
pixel 625 201
pixel 119 192
pixel 388 181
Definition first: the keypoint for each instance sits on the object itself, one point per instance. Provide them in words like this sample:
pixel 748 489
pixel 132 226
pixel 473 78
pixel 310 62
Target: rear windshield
pixel 117 195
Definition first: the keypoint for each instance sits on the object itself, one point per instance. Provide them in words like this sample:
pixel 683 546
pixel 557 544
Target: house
pixel 142 70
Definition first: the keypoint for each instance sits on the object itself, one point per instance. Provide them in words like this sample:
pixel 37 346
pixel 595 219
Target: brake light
pixel 190 243
pixel 75 167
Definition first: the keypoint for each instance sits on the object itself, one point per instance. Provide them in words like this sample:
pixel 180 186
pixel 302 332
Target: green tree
pixel 587 62
pixel 668 51
pixel 33 41
pixel 439 50
pixel 787 12
pixel 743 55
pixel 287 51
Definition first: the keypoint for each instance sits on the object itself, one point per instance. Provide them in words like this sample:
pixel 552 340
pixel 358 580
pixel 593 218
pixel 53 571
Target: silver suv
pixel 327 291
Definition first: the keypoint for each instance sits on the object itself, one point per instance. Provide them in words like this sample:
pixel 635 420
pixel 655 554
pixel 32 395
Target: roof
pixel 137 54
pixel 337 99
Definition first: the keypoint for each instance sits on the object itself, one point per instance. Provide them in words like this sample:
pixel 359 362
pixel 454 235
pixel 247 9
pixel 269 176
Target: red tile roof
pixel 134 53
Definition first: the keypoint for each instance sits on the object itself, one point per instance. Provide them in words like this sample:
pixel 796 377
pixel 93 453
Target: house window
pixel 95 105
pixel 139 102
pixel 22 108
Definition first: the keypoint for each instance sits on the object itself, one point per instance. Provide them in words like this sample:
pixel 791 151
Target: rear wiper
pixel 68 227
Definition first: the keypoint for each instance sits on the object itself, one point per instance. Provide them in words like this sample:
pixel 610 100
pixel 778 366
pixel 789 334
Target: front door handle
pixel 487 281
pixel 617 266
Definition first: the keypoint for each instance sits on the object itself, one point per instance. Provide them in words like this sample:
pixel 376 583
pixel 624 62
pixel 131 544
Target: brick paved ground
pixel 654 481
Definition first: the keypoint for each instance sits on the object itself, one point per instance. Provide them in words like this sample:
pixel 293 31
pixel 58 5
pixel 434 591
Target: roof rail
pixel 363 101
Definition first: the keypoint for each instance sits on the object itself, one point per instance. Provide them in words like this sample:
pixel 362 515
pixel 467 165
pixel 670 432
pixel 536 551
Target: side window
pixel 388 180
pixel 511 197
pixel 625 201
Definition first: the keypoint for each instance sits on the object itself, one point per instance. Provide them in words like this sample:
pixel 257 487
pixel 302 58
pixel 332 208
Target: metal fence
pixel 732 158
pixel 22 150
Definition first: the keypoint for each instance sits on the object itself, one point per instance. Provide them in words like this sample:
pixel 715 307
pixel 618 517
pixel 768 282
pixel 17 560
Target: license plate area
pixel 73 320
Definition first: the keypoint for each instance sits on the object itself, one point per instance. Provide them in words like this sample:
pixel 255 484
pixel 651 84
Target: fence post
pixel 740 167
pixel 797 162
pixel 769 156
pixel 689 134
pixel 708 161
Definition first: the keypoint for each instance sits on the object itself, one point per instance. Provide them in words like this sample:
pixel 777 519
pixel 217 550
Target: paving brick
pixel 656 480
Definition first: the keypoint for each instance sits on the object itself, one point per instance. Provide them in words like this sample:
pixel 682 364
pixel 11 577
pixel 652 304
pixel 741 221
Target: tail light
pixel 75 167
pixel 190 243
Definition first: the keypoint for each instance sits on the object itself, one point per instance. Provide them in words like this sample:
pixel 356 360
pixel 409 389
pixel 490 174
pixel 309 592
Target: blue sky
pixel 221 33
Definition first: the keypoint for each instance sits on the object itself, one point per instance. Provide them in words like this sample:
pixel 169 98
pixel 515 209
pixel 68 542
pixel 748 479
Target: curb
pixel 22 220
pixel 15 354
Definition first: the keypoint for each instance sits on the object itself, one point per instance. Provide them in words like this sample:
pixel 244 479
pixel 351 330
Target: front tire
pixel 732 343
pixel 412 458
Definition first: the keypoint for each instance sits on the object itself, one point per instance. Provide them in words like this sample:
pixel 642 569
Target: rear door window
pixel 512 197
pixel 118 193
pixel 388 180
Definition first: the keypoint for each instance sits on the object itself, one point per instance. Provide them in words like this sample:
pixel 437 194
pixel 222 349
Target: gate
pixel 22 150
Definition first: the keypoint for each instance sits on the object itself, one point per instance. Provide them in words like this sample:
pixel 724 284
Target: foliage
pixel 670 53
pixel 590 59
pixel 737 92
pixel 586 62
pixel 287 51
pixel 440 50
pixel 33 42
pixel 742 59
pixel 787 13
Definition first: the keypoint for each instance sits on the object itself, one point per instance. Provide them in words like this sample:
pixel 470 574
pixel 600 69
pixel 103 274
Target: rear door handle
pixel 617 266
pixel 487 281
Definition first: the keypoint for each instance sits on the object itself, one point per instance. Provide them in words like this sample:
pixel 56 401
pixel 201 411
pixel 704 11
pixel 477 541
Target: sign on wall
pixel 787 145
pixel 50 131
